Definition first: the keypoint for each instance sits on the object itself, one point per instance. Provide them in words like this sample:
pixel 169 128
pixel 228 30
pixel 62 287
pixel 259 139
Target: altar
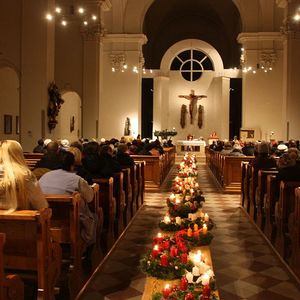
pixel 197 146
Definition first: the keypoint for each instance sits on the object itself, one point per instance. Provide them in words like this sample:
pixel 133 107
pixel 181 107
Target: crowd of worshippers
pixel 64 168
pixel 285 157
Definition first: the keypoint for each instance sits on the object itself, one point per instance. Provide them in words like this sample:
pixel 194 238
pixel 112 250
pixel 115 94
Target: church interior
pixel 189 74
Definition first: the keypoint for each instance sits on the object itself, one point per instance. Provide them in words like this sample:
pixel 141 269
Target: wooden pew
pixel 140 171
pixel 244 186
pixel 30 248
pixel 32 158
pixel 260 194
pixel 128 196
pixel 270 199
pixel 286 206
pixel 65 215
pixel 108 204
pixel 11 286
pixel 231 173
pixel 119 194
pixel 134 190
pixel 294 229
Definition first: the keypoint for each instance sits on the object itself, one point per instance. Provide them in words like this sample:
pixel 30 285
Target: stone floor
pixel 244 264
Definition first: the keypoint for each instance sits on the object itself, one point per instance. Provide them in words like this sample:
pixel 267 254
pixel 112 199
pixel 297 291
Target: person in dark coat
pixel 51 159
pixel 122 156
pixel 90 159
pixel 108 164
pixel 40 147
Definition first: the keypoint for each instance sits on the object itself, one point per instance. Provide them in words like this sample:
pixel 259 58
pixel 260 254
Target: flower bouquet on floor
pixel 182 205
pixel 195 237
pixel 168 259
pixel 198 218
pixel 198 284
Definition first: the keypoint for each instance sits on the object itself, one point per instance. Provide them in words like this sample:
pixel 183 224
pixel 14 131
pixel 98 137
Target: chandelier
pixel 265 62
pixel 119 64
pixel 74 12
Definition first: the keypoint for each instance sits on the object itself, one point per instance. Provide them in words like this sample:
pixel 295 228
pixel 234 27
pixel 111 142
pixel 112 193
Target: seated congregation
pixel 267 175
pixel 61 210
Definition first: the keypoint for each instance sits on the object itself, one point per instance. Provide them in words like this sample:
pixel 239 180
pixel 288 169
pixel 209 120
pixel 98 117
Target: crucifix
pixel 193 102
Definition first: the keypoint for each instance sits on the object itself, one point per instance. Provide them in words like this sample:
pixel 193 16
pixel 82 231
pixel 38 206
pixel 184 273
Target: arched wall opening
pixel 69 119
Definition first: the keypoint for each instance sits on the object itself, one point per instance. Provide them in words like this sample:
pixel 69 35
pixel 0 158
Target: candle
pixel 202 267
pixel 205 292
pixel 206 218
pixel 204 229
pixel 159 238
pixel 189 232
pixel 196 227
pixel 173 251
pixel 166 291
pixel 166 245
pixel 194 217
pixel 197 258
pixel 205 279
pixel 177 201
pixel 178 220
pixel 196 271
pixel 172 197
pixel 164 260
pixel 155 251
pixel 183 284
pixel 184 258
pixel 190 215
pixel 167 219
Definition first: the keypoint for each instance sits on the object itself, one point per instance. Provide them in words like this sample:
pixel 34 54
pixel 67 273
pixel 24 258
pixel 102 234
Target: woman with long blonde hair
pixel 19 188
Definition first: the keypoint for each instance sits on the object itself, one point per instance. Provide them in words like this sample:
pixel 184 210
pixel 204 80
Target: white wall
pixel 69 109
pixel 9 101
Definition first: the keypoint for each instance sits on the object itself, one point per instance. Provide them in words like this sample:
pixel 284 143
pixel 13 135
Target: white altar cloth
pixel 192 146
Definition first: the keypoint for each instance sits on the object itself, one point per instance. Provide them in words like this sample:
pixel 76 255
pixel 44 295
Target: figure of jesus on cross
pixel 193 102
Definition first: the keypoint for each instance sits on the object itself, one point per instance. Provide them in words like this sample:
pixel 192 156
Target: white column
pixel 161 103
pixel 224 115
pixel 291 65
pixel 121 92
pixel 37 69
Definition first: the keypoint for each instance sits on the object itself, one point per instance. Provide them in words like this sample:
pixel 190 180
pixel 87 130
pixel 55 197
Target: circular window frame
pixel 191 74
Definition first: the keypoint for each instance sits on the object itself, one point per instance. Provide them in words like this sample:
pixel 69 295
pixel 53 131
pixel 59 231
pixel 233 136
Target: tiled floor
pixel 245 266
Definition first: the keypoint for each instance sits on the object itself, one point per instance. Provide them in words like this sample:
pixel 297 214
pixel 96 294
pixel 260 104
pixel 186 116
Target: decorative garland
pixel 167 260
pixel 54 105
pixel 197 238
pixel 165 133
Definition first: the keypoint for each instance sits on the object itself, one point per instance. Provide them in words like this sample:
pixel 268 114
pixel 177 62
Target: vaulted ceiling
pixel 213 21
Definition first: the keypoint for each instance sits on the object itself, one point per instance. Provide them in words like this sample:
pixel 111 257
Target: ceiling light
pixel 80 10
pixel 85 23
pixel 94 17
pixel 58 10
pixel 64 23
pixel 49 17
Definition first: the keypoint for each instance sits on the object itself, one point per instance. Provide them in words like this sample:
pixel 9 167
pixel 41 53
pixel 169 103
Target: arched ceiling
pixel 213 21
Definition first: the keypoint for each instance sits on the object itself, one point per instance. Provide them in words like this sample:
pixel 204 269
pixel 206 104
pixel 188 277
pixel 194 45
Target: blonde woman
pixel 19 188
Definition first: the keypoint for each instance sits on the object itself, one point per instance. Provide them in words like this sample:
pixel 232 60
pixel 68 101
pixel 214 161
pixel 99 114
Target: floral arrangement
pixel 188 291
pixel 54 105
pixel 195 237
pixel 165 133
pixel 168 259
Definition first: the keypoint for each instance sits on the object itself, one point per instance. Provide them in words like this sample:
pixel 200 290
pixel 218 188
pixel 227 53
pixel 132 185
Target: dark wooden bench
pixel 286 206
pixel 260 195
pixel 128 196
pixel 270 199
pixel 30 250
pixel 11 286
pixel 294 229
pixel 108 204
pixel 244 186
pixel 119 195
pixel 65 216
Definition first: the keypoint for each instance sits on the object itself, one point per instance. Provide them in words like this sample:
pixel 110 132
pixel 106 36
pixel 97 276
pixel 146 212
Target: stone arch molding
pixel 188 44
pixel 135 11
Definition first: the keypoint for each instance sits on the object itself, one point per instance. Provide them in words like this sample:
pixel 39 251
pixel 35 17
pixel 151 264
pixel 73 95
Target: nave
pixel 244 264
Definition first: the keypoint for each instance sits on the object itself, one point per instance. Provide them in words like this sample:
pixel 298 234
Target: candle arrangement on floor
pixel 175 255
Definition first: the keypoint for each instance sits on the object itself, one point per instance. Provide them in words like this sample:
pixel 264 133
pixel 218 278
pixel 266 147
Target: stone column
pixel 161 103
pixel 121 92
pixel 291 65
pixel 37 70
pixel 92 73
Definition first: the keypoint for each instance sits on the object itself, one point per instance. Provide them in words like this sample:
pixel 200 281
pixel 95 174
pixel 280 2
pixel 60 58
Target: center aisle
pixel 244 264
